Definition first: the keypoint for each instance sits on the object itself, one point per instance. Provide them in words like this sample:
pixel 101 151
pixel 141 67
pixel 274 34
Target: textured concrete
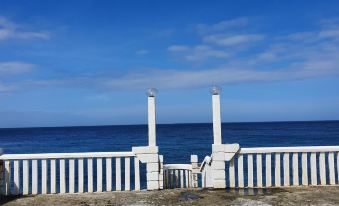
pixel 290 196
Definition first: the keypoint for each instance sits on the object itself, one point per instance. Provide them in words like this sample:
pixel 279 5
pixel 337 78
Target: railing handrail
pixel 262 150
pixel 65 155
pixel 177 167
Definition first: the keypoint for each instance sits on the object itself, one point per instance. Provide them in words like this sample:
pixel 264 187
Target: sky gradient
pixel 68 63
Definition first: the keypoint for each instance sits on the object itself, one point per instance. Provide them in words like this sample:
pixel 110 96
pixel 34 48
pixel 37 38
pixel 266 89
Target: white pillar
pixel 151 121
pixel 216 119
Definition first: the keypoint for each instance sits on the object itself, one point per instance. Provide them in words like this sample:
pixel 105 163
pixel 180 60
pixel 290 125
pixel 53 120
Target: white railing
pixel 177 176
pixel 56 172
pixel 284 166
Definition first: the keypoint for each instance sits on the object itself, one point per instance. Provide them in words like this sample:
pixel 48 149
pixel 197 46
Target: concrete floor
pixel 286 196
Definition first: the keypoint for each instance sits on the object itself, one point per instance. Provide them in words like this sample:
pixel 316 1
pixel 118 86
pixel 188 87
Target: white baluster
pixel 44 176
pixel 314 169
pixel 34 177
pixel 71 175
pixel 16 177
pixel 331 168
pixel 80 175
pixel 108 174
pixel 322 168
pixel 286 169
pixel 99 174
pixel 259 170
pixel 250 170
pixel 304 169
pixel 277 170
pixel 232 174
pixel 136 174
pixel 295 169
pixel 240 171
pixel 268 171
pixel 89 175
pixel 53 176
pixel 62 175
pixel 118 174
pixel 127 173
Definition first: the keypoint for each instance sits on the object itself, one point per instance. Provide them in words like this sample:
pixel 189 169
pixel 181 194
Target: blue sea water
pixel 176 141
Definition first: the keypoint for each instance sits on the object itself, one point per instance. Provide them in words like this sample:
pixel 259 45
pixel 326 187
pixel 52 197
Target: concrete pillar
pixel 195 170
pixel 216 119
pixel 151 121
pixel 149 155
pixel 218 160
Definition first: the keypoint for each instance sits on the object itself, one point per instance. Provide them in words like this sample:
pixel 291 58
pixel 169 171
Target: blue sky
pixel 66 63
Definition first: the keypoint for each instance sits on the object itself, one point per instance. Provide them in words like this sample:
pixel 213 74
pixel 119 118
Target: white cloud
pixel 197 53
pixel 223 25
pixel 142 52
pixel 230 40
pixel 14 68
pixel 294 56
pixel 9 30
pixel 177 48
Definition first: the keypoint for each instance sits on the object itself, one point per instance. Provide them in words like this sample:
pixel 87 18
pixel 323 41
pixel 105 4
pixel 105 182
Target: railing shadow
pixel 7 199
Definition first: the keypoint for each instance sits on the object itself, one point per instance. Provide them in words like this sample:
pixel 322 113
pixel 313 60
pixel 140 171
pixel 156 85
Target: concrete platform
pixel 290 196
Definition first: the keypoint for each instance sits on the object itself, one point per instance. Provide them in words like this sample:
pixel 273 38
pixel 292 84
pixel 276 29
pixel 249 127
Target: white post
pixel 151 121
pixel 216 115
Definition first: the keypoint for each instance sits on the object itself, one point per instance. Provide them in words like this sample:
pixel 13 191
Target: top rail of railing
pixel 65 155
pixel 259 150
pixel 177 167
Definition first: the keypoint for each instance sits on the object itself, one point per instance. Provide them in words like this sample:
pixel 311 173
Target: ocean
pixel 176 141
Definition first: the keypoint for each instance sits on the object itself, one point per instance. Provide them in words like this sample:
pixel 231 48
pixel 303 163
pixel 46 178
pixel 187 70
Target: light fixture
pixel 152 92
pixel 215 90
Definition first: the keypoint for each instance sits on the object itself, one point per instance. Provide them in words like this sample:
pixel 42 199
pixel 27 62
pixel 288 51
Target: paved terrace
pixel 287 196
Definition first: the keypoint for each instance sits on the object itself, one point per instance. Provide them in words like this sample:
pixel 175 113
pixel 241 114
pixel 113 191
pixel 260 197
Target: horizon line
pixel 107 125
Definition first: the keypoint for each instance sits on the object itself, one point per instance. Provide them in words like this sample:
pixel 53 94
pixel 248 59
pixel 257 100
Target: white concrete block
pixel 152 167
pixel 219 174
pixel 148 158
pixel 152 176
pixel 194 158
pixel 218 148
pixel 219 184
pixel 218 156
pixel 145 150
pixel 220 165
pixel 232 148
pixel 152 185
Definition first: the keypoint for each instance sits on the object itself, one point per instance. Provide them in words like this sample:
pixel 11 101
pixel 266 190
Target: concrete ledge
pixel 229 148
pixel 148 158
pixel 145 150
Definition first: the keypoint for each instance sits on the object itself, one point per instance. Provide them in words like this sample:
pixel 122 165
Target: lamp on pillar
pixel 215 91
pixel 151 93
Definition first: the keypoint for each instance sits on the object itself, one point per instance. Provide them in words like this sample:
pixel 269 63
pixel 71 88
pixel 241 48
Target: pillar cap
pixel 215 90
pixel 152 92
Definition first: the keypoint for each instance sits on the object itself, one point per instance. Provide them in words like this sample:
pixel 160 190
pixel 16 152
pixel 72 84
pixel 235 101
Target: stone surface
pixel 289 196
